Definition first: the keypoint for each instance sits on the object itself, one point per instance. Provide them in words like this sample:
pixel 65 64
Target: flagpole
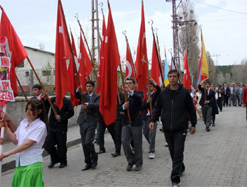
pixel 1 146
pixel 158 52
pixel 125 94
pixel 21 88
pixel 161 72
pixel 90 54
pixel 48 99
pixel 74 64
pixel 127 42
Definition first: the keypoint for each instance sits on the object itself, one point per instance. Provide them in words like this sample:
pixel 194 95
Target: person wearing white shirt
pixel 29 137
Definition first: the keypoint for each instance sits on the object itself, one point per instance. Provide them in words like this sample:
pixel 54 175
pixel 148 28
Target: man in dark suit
pixel 57 132
pixel 226 95
pixel 132 125
pixel 87 120
pixel 208 96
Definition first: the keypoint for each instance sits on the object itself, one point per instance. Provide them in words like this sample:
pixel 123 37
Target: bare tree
pixel 188 38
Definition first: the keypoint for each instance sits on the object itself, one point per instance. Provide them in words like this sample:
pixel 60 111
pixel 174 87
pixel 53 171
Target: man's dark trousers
pixel 101 133
pixel 59 139
pixel 175 140
pixel 134 133
pixel 87 137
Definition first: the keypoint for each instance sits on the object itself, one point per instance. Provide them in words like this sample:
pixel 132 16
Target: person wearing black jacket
pixel 207 100
pixel 57 132
pixel 150 135
pixel 132 128
pixel 174 105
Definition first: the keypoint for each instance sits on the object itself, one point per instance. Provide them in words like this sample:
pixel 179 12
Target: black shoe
pixel 101 151
pixel 208 129
pixel 62 165
pixel 52 164
pixel 161 130
pixel 138 168
pixel 129 167
pixel 94 165
pixel 182 172
pixel 87 167
pixel 115 154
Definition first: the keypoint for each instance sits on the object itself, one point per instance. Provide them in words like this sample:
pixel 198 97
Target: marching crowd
pixel 137 115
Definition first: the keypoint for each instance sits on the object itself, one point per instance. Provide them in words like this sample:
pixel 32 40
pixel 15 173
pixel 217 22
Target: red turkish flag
pixel 129 63
pixel 18 52
pixel 62 53
pixel 141 63
pixel 101 61
pixel 72 75
pixel 186 78
pixel 85 65
pixel 108 98
pixel 155 70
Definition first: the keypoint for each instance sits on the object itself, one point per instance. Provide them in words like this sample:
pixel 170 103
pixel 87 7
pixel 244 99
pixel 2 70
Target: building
pixel 43 63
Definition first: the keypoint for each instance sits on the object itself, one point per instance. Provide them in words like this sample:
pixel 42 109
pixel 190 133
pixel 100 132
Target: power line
pixel 221 8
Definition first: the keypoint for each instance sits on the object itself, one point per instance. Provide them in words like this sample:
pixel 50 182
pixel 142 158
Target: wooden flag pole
pixel 90 54
pixel 161 72
pixel 22 89
pixel 127 42
pixel 75 70
pixel 74 64
pixel 158 52
pixel 48 99
pixel 125 94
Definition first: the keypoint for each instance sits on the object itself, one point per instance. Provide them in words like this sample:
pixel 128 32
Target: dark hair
pixel 173 71
pixel 130 79
pixel 90 82
pixel 37 105
pixel 207 82
pixel 151 83
pixel 36 86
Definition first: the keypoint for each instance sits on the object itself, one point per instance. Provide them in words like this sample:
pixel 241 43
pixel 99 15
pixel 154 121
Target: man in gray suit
pixel 88 120
pixel 237 91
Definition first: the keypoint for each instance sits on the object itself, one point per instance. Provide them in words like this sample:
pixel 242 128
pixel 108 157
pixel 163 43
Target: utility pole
pixel 95 33
pixel 175 33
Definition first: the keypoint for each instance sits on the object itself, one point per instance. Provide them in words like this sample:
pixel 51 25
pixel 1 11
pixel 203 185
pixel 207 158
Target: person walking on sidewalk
pixel 29 136
pixel 150 135
pixel 132 128
pixel 90 107
pixel 206 102
pixel 57 133
pixel 174 105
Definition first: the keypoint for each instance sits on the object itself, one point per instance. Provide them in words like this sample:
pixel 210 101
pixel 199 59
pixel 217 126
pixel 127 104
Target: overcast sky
pixel 224 23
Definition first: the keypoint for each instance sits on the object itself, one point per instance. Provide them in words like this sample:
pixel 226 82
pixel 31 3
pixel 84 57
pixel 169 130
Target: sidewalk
pixel 73 138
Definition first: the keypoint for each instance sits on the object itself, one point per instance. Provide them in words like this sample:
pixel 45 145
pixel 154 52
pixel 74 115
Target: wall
pixel 16 111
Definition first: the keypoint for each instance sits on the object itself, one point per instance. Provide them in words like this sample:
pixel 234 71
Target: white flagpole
pixel 1 146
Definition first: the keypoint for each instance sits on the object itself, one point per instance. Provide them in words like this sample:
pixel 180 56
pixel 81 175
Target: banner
pixel 6 92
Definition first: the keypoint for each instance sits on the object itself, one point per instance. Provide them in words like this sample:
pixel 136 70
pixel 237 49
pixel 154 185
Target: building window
pixel 46 72
pixel 27 73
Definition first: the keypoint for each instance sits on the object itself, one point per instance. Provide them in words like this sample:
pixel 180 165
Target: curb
pixel 11 164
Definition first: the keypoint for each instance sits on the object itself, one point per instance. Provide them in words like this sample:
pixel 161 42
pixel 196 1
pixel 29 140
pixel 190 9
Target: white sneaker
pixel 151 155
pixel 175 185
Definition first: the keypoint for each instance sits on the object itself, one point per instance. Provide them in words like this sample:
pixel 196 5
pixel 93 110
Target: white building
pixel 43 63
